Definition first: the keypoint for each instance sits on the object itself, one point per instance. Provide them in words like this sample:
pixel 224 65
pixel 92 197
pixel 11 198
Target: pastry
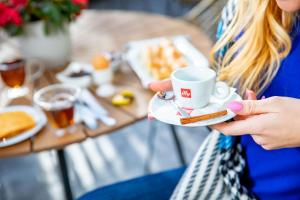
pixel 13 123
pixel 162 59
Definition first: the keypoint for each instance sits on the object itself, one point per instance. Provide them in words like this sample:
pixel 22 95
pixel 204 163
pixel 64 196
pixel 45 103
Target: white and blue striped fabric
pixel 202 179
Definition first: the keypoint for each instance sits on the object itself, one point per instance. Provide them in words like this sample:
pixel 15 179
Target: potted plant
pixel 41 27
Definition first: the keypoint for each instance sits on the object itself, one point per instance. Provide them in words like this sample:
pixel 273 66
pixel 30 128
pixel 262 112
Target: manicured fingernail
pixel 235 106
pixel 150 117
pixel 263 97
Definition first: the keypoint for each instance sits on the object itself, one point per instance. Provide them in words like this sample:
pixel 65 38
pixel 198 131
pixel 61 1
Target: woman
pixel 260 51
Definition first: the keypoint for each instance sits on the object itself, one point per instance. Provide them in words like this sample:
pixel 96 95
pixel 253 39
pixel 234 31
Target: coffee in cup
pixel 193 87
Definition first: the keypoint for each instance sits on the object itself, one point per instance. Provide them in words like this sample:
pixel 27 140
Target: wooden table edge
pixel 106 132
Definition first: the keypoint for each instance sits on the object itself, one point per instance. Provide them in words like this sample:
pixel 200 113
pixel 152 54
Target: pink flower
pixel 4 19
pixel 15 17
pixel 81 3
pixel 9 16
pixel 9 12
pixel 18 4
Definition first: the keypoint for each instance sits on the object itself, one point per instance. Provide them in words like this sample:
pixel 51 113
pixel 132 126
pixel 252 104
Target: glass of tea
pixel 58 101
pixel 16 73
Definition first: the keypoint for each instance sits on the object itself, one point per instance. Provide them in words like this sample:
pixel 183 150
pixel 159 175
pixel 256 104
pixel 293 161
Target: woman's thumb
pixel 158 86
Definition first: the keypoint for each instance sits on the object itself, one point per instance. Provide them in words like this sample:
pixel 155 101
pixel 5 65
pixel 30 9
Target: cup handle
pixel 222 90
pixel 38 72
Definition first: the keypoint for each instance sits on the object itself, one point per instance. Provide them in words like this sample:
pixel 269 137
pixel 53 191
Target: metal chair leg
pixel 150 146
pixel 64 174
pixel 178 145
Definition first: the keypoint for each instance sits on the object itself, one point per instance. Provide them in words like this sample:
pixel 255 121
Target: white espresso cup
pixel 193 87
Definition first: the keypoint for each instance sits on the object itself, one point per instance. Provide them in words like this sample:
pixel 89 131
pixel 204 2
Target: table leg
pixel 209 129
pixel 178 145
pixel 150 145
pixel 64 174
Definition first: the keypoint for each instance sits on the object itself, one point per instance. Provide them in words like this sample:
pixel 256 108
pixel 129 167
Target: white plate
pixel 38 116
pixel 192 55
pixel 164 111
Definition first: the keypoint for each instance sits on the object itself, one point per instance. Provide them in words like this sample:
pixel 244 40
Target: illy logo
pixel 186 93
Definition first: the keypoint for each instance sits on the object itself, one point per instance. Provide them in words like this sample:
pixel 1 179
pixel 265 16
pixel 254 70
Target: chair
pixel 206 14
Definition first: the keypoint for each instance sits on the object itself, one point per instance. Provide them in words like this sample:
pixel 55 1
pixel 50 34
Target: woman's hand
pixel 160 86
pixel 273 122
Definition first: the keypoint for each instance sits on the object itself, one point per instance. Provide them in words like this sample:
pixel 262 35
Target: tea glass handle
pixel 35 69
pixel 222 90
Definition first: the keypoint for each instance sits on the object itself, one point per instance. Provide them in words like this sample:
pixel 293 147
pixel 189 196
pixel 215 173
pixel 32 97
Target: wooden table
pixel 97 31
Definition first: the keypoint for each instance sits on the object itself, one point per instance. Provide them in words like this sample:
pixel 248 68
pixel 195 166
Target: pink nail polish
pixel 150 117
pixel 235 106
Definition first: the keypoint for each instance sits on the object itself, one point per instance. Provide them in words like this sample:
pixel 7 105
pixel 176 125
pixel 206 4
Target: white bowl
pixel 83 82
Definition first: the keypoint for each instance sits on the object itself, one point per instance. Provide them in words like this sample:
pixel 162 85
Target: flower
pixel 15 17
pixel 14 14
pixel 9 16
pixel 19 4
pixel 3 18
pixel 81 3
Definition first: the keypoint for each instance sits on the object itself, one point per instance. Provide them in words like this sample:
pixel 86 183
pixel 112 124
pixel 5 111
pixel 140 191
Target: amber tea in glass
pixel 58 101
pixel 62 111
pixel 13 73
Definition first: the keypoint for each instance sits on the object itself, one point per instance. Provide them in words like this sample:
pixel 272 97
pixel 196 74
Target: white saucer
pixel 164 111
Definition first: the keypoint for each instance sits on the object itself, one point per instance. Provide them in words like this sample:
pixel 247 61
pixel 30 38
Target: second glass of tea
pixel 15 73
pixel 13 76
pixel 58 101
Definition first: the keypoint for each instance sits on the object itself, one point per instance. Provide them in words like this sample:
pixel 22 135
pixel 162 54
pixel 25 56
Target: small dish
pixel 164 111
pixel 77 74
pixel 39 118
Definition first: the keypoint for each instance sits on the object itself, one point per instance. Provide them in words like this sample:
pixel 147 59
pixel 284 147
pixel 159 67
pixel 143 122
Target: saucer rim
pixel 229 116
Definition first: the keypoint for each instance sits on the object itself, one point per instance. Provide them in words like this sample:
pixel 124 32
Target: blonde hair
pixel 259 32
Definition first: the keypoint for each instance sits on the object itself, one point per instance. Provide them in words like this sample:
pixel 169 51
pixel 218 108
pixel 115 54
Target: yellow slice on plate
pixel 14 123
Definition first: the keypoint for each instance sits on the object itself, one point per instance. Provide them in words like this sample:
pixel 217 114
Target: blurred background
pixel 125 153
pixel 203 13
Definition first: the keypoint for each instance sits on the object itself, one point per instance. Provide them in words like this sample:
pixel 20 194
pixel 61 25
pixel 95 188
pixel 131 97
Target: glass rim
pixel 14 64
pixel 47 105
